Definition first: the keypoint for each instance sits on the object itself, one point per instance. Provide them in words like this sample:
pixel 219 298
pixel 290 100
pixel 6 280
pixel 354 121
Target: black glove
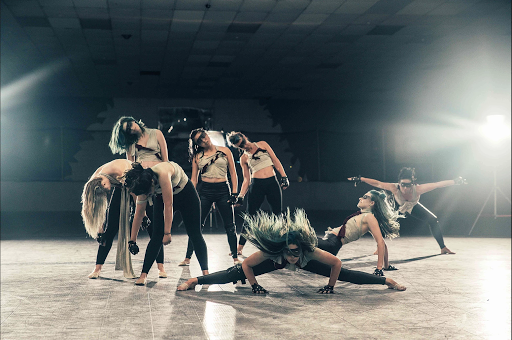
pixel 257 289
pixel 459 180
pixel 145 222
pixel 133 247
pixel 240 200
pixel 285 183
pixel 378 272
pixel 101 238
pixel 390 267
pixel 326 290
pixel 356 180
pixel 233 198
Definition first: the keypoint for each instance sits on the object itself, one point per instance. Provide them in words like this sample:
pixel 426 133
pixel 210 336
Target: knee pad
pixel 236 273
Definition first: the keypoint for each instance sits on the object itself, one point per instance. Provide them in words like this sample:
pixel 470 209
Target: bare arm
pixel 167 197
pixel 330 260
pixel 378 184
pixel 247 175
pixel 273 157
pixel 250 262
pixel 140 211
pixel 195 172
pixel 423 188
pixel 232 170
pixel 163 145
pixel 373 225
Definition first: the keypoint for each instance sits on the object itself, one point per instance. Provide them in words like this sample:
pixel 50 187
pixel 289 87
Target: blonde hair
pixel 94 206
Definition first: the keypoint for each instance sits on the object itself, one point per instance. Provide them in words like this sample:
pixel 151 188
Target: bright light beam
pixel 496 129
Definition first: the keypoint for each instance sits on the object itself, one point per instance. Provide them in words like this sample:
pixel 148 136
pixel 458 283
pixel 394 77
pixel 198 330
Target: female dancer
pixel 213 163
pixel 291 244
pixel 104 198
pixel 375 216
pixel 258 162
pixel 165 186
pixel 407 195
pixel 143 145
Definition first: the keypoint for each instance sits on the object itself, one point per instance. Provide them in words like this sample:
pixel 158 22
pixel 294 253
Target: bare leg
pixel 189 284
pixel 141 281
pixel 96 272
pixel 445 250
pixel 392 284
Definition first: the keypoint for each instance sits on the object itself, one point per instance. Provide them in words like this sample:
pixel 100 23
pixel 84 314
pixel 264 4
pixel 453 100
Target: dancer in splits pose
pixel 166 187
pixel 407 195
pixel 105 210
pixel 375 216
pixel 258 162
pixel 213 163
pixel 145 146
pixel 289 243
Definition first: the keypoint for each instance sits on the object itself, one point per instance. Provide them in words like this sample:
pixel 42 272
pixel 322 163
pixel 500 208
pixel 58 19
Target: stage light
pixel 496 129
pixel 217 138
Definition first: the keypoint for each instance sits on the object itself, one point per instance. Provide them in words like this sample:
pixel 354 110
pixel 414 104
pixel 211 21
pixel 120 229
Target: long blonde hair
pixel 94 206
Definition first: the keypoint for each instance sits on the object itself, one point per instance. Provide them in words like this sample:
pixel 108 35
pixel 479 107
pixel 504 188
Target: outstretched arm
pixel 247 175
pixel 423 188
pixel 140 211
pixel 378 184
pixel 166 185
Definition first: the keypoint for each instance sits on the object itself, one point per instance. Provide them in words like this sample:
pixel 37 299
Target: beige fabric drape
pixel 123 257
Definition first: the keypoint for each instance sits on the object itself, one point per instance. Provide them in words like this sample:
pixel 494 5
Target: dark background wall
pixel 50 146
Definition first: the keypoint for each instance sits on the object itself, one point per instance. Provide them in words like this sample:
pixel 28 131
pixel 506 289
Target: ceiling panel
pixel 250 48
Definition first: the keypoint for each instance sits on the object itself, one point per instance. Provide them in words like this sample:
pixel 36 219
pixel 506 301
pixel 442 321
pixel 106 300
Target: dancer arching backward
pixel 145 146
pixel 105 210
pixel 213 163
pixel 289 243
pixel 166 187
pixel 407 195
pixel 375 216
pixel 258 162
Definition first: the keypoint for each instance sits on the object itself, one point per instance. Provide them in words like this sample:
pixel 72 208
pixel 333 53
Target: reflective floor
pixel 45 294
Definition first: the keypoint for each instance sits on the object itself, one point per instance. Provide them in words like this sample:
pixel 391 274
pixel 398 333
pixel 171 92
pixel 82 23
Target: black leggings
pixel 331 243
pixel 112 227
pixel 258 190
pixel 421 213
pixel 217 193
pixel 187 203
pixel 236 273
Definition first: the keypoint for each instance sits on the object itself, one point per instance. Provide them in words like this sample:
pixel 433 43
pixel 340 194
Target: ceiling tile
pixel 27 9
pixel 126 24
pixel 258 6
pixel 60 12
pixel 355 6
pixel 224 5
pixel 59 3
pixel 158 4
pixel 190 5
pixel 186 21
pixel 91 3
pixel 116 4
pixel 64 22
pixel 93 13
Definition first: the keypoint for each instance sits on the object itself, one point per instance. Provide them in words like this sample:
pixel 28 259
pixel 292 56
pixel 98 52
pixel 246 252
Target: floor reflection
pixel 219 321
pixel 496 282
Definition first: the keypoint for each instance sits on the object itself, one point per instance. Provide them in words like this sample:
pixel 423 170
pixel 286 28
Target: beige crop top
pixel 213 166
pixel 149 153
pixel 178 180
pixel 404 205
pixel 353 231
pixel 259 160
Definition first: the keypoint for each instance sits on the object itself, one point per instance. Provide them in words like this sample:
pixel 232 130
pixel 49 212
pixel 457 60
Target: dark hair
pixel 407 173
pixel 386 215
pixel 193 147
pixel 139 180
pixel 234 137
pixel 120 141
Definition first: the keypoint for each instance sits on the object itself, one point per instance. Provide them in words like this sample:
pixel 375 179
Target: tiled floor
pixel 45 294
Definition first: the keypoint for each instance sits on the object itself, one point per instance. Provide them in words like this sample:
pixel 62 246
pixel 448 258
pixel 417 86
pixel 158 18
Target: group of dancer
pixel 153 188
